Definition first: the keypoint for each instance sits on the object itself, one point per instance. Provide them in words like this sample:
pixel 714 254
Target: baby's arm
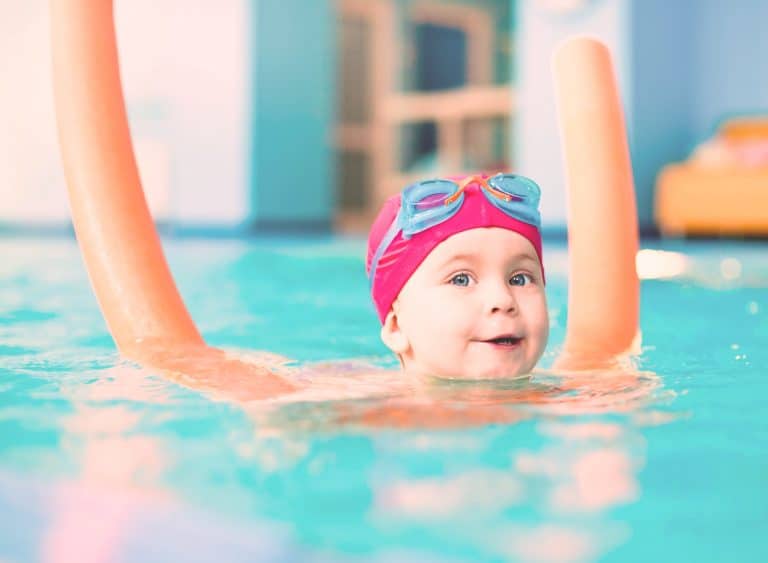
pixel 603 298
pixel 133 284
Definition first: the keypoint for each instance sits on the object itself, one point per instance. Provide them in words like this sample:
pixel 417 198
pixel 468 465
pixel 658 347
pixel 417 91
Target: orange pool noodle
pixel 117 237
pixel 603 299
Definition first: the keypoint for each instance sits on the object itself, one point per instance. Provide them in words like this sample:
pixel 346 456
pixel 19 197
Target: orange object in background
pixel 703 200
pixel 741 128
pixel 722 189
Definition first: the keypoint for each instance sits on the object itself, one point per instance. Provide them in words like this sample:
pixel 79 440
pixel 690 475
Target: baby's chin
pixel 491 373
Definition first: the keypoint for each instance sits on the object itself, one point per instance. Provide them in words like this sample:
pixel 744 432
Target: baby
pixel 456 275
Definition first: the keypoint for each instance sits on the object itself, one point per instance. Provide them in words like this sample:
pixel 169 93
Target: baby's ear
pixel 393 336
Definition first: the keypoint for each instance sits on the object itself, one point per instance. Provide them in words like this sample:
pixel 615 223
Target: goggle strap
pixel 390 235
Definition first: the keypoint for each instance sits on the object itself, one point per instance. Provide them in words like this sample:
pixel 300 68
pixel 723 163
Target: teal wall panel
pixel 661 37
pixel 293 105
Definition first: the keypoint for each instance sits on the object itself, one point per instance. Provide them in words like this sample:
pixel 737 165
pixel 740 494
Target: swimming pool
pixel 118 464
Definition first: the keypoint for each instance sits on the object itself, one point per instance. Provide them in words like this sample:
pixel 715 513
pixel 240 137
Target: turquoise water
pixel 103 461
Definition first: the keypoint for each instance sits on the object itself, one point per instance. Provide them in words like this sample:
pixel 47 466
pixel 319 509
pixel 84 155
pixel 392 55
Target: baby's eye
pixel 521 279
pixel 460 280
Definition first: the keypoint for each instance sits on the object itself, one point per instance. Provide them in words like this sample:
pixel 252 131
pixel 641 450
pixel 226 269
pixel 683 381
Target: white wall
pixel 185 72
pixel 538 153
pixel 30 180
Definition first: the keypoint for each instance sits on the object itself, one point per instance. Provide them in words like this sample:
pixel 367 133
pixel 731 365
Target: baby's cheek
pixel 537 317
pixel 543 332
pixel 459 321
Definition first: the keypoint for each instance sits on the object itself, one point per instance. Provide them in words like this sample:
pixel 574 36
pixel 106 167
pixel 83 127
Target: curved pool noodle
pixel 603 293
pixel 117 237
pixel 120 245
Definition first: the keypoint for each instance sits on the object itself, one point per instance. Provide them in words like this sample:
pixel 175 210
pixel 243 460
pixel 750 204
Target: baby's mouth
pixel 505 340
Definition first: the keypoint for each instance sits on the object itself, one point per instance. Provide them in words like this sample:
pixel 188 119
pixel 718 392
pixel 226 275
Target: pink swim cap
pixel 403 256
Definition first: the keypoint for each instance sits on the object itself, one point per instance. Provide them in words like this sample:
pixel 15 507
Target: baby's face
pixel 475 308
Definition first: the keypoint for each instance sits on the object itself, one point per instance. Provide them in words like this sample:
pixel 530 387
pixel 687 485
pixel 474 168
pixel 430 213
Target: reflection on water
pixel 575 480
pixel 63 521
pixel 116 506
pixel 473 491
pixel 465 471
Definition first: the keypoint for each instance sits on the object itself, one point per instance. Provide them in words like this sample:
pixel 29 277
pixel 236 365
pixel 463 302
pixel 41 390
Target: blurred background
pixel 252 115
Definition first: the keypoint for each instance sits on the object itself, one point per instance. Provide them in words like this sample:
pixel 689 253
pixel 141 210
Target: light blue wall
pixel 293 52
pixel 731 61
pixel 662 69
pixel 536 138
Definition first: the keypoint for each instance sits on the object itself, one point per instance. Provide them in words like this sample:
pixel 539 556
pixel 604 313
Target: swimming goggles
pixel 431 202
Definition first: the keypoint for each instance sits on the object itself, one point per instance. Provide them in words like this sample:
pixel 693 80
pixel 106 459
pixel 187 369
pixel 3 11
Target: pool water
pixel 103 461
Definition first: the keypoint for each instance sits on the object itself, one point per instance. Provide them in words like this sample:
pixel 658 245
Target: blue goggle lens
pixel 517 187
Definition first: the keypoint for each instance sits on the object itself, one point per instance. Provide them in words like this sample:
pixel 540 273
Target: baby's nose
pixel 501 299
pixel 510 309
